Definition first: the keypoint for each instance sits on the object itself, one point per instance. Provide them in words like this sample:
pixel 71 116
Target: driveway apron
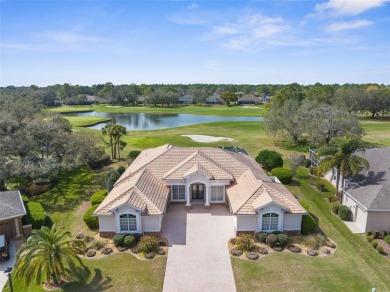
pixel 13 247
pixel 198 257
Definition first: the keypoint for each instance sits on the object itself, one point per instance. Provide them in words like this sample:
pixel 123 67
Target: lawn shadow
pixel 294 183
pixel 85 283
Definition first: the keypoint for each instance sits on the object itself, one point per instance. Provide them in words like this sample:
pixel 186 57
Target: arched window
pixel 128 222
pixel 270 221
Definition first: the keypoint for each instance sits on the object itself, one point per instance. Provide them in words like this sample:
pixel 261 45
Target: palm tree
pixel 117 132
pixel 50 255
pixel 108 129
pixel 340 154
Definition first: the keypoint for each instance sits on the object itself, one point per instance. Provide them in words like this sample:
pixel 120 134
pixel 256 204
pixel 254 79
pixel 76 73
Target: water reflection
pixel 143 121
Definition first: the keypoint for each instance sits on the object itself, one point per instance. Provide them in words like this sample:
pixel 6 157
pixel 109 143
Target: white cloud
pixel 193 6
pixel 348 25
pixel 348 7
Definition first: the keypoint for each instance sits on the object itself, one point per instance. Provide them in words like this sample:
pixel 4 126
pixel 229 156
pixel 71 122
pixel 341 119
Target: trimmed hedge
pixel 374 243
pixel 271 240
pixel 91 221
pixel 308 224
pixel 121 169
pixel 283 239
pixel 283 174
pixel 335 207
pixel 375 233
pixel 370 238
pixel 269 159
pixel 133 154
pixel 387 239
pixel 36 215
pixel 344 213
pixel 129 241
pixel 262 236
pixel 118 239
pixel 98 197
pixel 244 242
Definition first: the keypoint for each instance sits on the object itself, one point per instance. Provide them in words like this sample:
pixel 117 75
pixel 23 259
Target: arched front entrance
pixel 198 191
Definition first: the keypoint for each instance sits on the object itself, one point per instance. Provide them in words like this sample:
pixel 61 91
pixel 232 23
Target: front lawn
pixel 118 272
pixel 355 266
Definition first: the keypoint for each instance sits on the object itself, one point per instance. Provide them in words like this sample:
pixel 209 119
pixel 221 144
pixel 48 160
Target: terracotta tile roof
pixel 142 185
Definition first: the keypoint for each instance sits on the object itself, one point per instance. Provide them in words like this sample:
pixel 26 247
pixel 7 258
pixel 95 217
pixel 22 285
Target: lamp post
pixel 7 271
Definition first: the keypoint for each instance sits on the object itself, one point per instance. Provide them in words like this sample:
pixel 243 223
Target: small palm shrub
pixel 387 239
pixel 244 242
pixel 283 174
pixel 283 239
pixel 262 236
pixel 271 240
pixel 370 238
pixel 374 243
pixel 308 224
pixel 98 245
pixel 148 243
pixel 129 241
pixel 379 249
pixel 344 213
pixel 98 197
pixel 91 221
pixel 118 240
pixel 269 159
pixel 315 241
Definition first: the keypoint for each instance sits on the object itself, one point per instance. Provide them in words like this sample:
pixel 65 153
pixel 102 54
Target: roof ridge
pixel 229 153
pixel 144 197
pixel 280 196
pixel 204 155
pixel 180 164
pixel 127 192
pixel 262 183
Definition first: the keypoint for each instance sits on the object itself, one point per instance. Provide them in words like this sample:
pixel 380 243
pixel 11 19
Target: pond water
pixel 142 121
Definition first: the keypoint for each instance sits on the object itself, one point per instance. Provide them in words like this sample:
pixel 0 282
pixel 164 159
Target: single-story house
pixel 186 99
pixel 214 99
pixel 368 194
pixel 205 175
pixel 248 99
pixel 91 99
pixel 11 212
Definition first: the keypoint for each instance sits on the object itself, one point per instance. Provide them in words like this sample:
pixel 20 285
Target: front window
pixel 128 222
pixel 270 221
pixel 217 193
pixel 178 193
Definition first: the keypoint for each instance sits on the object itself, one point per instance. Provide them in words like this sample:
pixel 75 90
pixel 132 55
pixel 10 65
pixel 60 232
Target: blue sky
pixel 255 42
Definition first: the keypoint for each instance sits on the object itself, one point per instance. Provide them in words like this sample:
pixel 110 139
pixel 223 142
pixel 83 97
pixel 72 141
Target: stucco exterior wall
pixel 378 220
pixel 358 214
pixel 107 223
pixel 246 222
pixel 292 222
pixel 151 223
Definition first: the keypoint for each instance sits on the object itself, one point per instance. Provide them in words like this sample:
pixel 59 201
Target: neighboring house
pixel 368 194
pixel 209 176
pixel 91 99
pixel 248 99
pixel 214 99
pixel 186 99
pixel 141 99
pixel 266 98
pixel 11 212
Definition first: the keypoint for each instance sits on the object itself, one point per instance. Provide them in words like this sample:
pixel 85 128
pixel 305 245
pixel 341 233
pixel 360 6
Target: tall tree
pixel 228 96
pixel 342 156
pixel 50 255
pixel 117 132
pixel 108 129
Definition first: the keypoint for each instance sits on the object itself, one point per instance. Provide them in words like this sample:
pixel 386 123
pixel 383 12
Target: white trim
pixel 138 222
pixel 224 194
pixel 171 194
pixel 272 210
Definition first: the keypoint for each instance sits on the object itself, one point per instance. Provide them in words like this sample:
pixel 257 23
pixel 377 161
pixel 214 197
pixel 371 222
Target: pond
pixel 142 121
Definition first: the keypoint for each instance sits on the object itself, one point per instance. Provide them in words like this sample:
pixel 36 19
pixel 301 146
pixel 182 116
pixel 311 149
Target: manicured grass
pixel 85 121
pixel 119 272
pixel 356 266
pixel 377 131
pixel 217 110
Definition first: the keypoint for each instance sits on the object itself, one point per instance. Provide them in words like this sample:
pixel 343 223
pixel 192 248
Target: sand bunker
pixel 207 139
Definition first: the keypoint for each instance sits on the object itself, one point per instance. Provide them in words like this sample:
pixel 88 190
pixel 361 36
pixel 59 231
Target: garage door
pixel 6 229
pixel 361 218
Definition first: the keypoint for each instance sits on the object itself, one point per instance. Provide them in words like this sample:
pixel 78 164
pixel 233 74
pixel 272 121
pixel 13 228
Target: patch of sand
pixel 248 106
pixel 114 106
pixel 207 139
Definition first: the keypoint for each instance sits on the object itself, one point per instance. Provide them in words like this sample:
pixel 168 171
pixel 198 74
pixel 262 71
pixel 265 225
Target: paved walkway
pixel 198 257
pixel 13 246
pixel 353 227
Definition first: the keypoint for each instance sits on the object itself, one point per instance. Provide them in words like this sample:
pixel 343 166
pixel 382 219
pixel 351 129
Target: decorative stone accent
pixel 107 251
pixel 294 248
pixel 236 252
pixel 325 251
pixel 149 255
pixel 122 248
pixel 252 255
pixel 80 235
pixel 262 250
pixel 277 248
pixel 312 252
pixel 85 249
pixel 91 253
pixel 135 250
pixel 161 251
pixel 330 244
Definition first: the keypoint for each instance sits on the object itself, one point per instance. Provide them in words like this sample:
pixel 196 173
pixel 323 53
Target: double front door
pixel 197 191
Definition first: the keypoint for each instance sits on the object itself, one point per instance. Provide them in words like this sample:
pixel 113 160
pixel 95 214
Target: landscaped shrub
pixel 283 239
pixel 379 249
pixel 370 238
pixel 383 234
pixel 269 159
pixel 91 221
pixel 121 170
pixel 95 162
pixel 308 224
pixel 129 241
pixel 313 170
pixel 35 215
pixel 320 186
pixel 368 232
pixel 113 176
pixel 307 163
pixel 98 197
pixel 262 236
pixel 148 243
pixel 387 239
pixel 118 239
pixel 25 199
pixel 374 243
pixel 133 154
pixel 271 240
pixel 283 174
pixel 98 245
pixel 335 207
pixel 344 213
pixel 314 242
pixel 375 233
pixel 244 242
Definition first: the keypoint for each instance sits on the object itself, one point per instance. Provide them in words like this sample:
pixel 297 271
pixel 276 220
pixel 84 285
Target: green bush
pixel 283 174
pixel 313 170
pixel 315 241
pixel 148 243
pixel 98 162
pixel 375 233
pixel 283 239
pixel 308 224
pixel 368 232
pixel 113 176
pixel 344 213
pixel 121 170
pixel 321 187
pixel 244 242
pixel 383 234
pixel 387 239
pixel 91 221
pixel 262 236
pixel 379 248
pixel 133 154
pixel 129 241
pixel 269 159
pixel 36 215
pixel 271 240
pixel 335 207
pixel 98 197
pixel 25 199
pixel 118 240
pixel 307 163
pixel 370 238
pixel 374 243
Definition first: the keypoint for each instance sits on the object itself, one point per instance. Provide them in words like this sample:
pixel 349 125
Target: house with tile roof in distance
pixel 187 175
pixel 248 99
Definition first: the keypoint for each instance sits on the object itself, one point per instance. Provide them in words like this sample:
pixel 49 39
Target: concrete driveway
pixel 198 257
pixel 13 247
